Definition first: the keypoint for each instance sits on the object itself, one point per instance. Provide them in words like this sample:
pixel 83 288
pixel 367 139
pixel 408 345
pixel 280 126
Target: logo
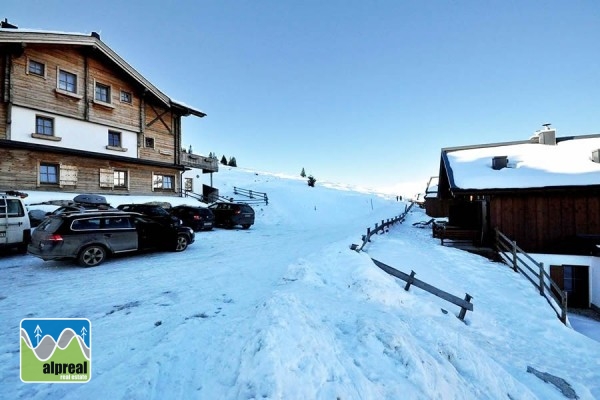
pixel 56 350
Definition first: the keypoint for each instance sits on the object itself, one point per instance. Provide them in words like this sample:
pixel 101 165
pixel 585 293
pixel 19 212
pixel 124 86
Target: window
pixel 114 139
pixel 12 209
pixel 120 179
pixel 126 97
pixel 36 68
pixel 163 182
pixel 189 183
pixel 67 81
pixel 102 93
pixel 149 142
pixel 49 173
pixel 44 126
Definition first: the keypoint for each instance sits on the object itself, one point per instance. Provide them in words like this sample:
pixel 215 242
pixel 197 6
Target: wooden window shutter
pixel 107 178
pixel 68 175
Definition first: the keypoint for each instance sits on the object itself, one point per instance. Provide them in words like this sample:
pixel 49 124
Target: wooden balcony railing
pixel 207 164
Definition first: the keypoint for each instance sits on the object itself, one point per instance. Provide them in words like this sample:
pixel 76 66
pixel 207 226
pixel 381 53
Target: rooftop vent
pixel 596 156
pixel 499 162
pixel 96 35
pixel 546 135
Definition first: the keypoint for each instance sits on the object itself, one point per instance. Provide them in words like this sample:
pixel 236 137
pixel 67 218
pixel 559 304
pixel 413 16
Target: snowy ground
pixel 285 310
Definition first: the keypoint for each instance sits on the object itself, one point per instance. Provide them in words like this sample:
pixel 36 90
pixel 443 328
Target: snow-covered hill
pixel 285 310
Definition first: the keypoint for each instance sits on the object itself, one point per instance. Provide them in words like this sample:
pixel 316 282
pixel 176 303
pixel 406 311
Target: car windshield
pixel 157 211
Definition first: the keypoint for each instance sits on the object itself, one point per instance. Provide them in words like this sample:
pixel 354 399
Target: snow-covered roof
pixel 24 36
pixel 530 165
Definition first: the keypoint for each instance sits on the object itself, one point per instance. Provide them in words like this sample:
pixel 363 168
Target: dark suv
pixel 152 211
pixel 231 214
pixel 197 218
pixel 91 236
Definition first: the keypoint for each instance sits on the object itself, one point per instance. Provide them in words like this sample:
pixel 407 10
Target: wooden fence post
pixel 514 254
pixel 463 311
pixel 368 234
pixel 541 265
pixel 563 314
pixel 251 194
pixel 410 280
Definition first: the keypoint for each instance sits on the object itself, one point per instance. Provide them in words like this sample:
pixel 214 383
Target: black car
pixel 231 214
pixel 197 218
pixel 153 211
pixel 90 237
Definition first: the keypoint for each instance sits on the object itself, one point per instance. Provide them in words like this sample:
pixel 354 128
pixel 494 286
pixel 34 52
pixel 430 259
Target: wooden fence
pixel 534 271
pixel 464 304
pixel 259 197
pixel 381 228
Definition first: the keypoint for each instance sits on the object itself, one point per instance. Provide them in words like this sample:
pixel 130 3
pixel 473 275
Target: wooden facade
pixel 540 219
pixel 133 105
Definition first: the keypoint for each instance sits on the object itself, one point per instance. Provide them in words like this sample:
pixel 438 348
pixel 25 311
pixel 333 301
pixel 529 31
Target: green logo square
pixel 56 350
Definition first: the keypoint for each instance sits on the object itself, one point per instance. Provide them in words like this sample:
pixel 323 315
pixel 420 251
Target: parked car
pixel 197 218
pixel 153 211
pixel 90 237
pixel 231 214
pixel 15 227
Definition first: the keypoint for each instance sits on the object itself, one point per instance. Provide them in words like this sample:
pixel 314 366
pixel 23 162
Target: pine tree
pixel 224 160
pixel 232 162
pixel 311 181
pixel 303 174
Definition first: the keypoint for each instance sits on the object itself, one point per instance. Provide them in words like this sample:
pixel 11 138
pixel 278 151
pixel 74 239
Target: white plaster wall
pixel 592 262
pixel 198 179
pixel 75 134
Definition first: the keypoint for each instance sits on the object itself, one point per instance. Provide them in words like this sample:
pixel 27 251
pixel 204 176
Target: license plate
pixel 207 223
pixel 2 234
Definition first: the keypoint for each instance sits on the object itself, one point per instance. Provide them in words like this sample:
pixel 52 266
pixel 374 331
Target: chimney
pixel 499 162
pixel 7 25
pixel 596 156
pixel 96 35
pixel 547 135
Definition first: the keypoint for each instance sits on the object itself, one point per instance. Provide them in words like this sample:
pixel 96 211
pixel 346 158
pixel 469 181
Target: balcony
pixel 207 164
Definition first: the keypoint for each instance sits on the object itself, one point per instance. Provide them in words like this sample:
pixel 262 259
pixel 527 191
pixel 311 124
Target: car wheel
pixel 92 256
pixel 245 226
pixel 182 243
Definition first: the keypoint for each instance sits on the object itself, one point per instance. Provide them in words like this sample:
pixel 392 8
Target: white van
pixel 15 228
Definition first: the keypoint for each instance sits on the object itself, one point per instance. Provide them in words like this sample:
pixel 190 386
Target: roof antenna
pixel 546 126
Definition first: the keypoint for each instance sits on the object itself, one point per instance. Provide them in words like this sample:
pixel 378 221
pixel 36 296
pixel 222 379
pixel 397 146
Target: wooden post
pixel 514 254
pixel 563 314
pixel 368 234
pixel 251 194
pixel 541 265
pixel 410 280
pixel 463 311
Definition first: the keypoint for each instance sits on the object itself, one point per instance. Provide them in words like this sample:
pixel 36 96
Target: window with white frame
pixel 126 97
pixel 67 81
pixel 36 68
pixel 102 93
pixel 44 126
pixel 163 182
pixel 120 178
pixel 49 173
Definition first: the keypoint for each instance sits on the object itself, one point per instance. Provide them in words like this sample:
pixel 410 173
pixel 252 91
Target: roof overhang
pixel 92 41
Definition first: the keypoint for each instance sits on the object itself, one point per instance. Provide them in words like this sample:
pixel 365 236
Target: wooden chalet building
pixel 76 117
pixel 543 193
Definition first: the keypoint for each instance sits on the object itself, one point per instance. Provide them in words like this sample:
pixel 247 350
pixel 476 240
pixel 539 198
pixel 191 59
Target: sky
pixel 352 91
pixel 286 310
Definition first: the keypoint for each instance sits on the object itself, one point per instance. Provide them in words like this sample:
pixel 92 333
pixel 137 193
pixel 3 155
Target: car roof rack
pixel 14 193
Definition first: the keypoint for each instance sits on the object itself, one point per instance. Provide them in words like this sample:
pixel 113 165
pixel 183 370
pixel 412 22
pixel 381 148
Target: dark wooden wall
pixel 539 222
